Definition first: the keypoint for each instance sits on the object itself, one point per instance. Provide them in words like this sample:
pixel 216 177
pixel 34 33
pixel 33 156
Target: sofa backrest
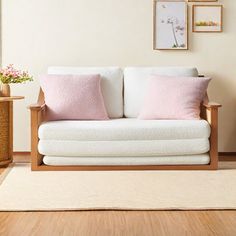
pixel 111 84
pixel 135 82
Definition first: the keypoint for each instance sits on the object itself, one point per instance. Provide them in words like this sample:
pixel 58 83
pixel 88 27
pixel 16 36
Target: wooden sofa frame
pixel 209 112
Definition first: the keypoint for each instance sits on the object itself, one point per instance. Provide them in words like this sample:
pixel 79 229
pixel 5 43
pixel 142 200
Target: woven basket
pixel 4 131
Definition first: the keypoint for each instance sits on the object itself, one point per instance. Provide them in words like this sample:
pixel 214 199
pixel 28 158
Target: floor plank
pixel 118 223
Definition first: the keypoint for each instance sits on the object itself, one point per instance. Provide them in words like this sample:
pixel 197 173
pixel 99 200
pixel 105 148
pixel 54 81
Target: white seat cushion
pixel 202 159
pixel 111 85
pixel 124 137
pixel 135 83
pixel 129 148
pixel 124 129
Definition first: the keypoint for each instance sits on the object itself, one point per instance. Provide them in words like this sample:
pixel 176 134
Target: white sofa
pixel 124 142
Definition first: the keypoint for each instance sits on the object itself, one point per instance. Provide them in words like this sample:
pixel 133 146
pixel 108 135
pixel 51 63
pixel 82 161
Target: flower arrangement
pixel 10 75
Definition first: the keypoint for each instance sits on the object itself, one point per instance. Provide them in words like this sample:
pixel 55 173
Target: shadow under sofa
pixel 124 142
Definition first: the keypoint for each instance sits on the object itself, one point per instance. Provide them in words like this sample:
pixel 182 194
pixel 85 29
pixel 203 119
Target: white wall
pixel 37 34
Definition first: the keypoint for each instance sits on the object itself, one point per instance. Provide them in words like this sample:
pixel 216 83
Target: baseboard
pixel 227 153
pixel 227 156
pixel 21 153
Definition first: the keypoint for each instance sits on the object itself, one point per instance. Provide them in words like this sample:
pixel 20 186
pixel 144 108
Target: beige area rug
pixel 23 190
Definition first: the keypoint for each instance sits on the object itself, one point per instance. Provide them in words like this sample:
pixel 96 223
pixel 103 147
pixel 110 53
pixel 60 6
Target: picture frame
pixel 207 18
pixel 170 25
pixel 202 0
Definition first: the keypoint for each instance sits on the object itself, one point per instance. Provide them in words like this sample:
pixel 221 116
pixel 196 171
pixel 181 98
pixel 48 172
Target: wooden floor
pixel 118 223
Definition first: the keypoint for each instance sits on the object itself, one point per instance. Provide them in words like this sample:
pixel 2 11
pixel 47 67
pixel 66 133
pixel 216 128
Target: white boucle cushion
pixel 123 148
pixel 124 129
pixel 111 85
pixel 202 159
pixel 135 84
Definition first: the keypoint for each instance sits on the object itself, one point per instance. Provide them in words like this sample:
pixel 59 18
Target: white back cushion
pixel 111 84
pixel 135 82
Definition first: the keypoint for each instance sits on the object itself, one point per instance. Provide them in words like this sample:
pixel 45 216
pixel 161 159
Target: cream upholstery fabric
pixel 135 82
pixel 162 160
pixel 124 129
pixel 111 84
pixel 124 148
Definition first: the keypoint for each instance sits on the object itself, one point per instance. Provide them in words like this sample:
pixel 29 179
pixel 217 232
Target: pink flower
pixel 12 75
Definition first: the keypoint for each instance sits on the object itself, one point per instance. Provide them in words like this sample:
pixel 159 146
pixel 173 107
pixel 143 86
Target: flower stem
pixel 173 30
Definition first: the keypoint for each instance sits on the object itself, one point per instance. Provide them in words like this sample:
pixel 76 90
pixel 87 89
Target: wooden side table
pixel 6 129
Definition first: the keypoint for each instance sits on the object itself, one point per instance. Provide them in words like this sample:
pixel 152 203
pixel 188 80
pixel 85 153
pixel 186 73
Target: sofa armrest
pixel 211 105
pixel 37 117
pixel 210 114
pixel 40 105
pixel 210 110
pixel 37 107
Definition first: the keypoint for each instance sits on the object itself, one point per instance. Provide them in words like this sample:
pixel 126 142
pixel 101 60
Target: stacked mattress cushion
pixel 125 141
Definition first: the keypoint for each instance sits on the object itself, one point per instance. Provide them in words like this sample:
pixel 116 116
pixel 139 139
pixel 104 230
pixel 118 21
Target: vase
pixel 5 90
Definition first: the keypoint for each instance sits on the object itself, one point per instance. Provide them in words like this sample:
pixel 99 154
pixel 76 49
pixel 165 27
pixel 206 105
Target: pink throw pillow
pixel 171 97
pixel 73 97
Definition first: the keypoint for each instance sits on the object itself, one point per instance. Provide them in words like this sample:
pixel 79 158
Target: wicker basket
pixel 4 132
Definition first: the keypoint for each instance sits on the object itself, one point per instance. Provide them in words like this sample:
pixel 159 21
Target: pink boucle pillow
pixel 73 97
pixel 170 97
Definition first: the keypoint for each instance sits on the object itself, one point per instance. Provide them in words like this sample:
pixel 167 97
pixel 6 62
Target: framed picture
pixel 170 25
pixel 202 0
pixel 207 18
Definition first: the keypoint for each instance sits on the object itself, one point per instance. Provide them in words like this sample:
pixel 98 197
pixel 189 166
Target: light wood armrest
pixel 37 117
pixel 209 112
pixel 40 105
pixel 212 105
pixel 37 107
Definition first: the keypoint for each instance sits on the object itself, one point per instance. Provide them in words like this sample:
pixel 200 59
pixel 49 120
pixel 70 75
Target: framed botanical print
pixel 207 18
pixel 170 25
